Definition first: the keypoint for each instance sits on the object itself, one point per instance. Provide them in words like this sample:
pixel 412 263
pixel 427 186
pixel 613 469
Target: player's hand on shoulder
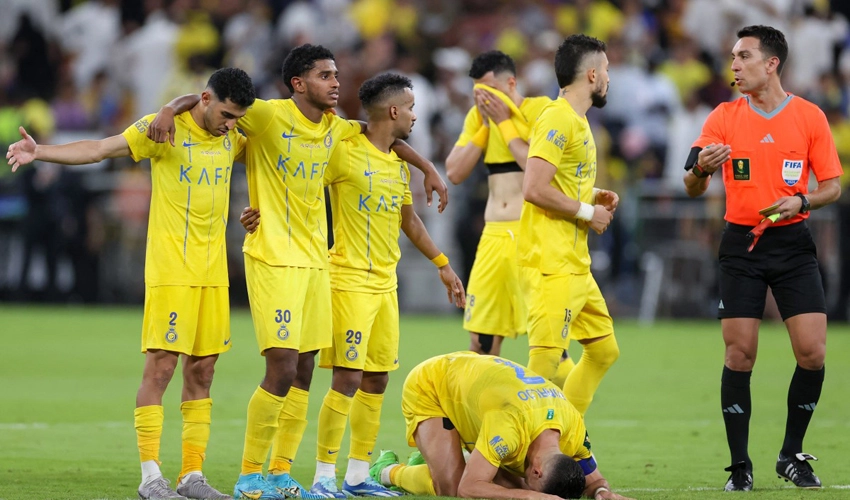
pixel 608 199
pixel 21 152
pixel 250 219
pixel 601 219
pixel 713 156
pixel 454 287
pixel 162 128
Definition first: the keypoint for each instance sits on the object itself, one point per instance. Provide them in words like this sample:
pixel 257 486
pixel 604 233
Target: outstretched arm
pixel 433 181
pixel 415 230
pixel 161 128
pixel 73 153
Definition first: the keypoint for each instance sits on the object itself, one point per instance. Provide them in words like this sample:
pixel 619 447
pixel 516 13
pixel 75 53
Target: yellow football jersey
pixel 368 188
pixel 190 199
pixel 499 408
pixel 497 150
pixel 285 160
pixel 549 242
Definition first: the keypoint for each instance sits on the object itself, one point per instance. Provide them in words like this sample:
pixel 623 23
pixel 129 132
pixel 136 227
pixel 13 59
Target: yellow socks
pixel 333 417
pixel 196 433
pixel 415 479
pixel 588 372
pixel 544 361
pixel 564 370
pixel 148 424
pixel 263 414
pixel 365 420
pixel 291 425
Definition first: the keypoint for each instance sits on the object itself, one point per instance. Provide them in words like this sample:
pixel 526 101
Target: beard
pixel 598 99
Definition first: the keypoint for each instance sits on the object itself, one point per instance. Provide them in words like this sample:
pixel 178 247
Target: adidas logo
pixel 767 138
pixel 721 305
pixel 733 409
pixel 809 407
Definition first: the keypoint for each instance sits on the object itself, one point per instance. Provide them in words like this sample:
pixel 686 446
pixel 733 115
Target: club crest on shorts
pixel 792 170
pixel 171 335
pixel 283 332
pixel 351 354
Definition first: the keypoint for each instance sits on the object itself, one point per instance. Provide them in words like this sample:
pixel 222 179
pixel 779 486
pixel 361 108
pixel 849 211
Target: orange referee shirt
pixel 772 154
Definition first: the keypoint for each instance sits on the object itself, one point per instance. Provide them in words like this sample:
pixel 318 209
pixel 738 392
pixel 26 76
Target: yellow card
pixel 768 209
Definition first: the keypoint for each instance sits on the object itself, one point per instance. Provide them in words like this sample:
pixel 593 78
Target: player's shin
pixel 365 422
pixel 333 417
pixel 415 479
pixel 196 434
pixel 291 426
pixel 148 424
pixel 803 396
pixel 588 373
pixel 263 414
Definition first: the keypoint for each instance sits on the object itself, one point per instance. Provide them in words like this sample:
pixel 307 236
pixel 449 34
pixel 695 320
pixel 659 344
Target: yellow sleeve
pixel 345 129
pixel 258 118
pixel 549 137
pixel 240 142
pixel 498 439
pixel 408 196
pixel 339 163
pixel 140 146
pixel 471 124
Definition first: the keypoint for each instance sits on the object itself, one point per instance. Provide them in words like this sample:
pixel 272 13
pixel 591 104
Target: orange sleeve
pixel 712 129
pixel 823 157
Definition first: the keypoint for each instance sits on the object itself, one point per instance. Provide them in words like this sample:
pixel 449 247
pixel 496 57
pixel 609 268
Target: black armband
pixel 693 156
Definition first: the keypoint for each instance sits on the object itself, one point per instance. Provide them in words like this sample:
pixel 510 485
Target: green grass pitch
pixel 68 379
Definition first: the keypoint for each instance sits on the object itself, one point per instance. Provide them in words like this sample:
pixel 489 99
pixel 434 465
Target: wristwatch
pixel 806 205
pixel 699 172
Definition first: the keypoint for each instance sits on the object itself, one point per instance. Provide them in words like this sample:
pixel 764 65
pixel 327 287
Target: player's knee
pixel 346 382
pixel 606 351
pixel 811 357
pixel 304 373
pixel 445 487
pixel 200 374
pixel 374 382
pixel 739 360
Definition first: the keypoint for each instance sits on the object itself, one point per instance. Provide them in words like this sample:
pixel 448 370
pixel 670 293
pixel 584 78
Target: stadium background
pixel 71 70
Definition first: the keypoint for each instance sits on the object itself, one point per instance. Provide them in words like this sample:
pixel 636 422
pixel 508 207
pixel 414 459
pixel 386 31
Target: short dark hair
pixel 571 54
pixel 771 42
pixel 233 84
pixel 565 478
pixel 301 60
pixel 378 88
pixel 493 60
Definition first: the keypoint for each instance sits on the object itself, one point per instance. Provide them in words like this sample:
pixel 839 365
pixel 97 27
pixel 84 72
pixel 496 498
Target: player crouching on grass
pixel 370 202
pixel 526 440
pixel 187 309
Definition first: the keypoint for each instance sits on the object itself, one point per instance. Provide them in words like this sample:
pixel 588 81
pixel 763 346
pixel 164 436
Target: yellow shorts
pixel 191 320
pixel 494 301
pixel 291 306
pixel 365 332
pixel 420 397
pixel 563 307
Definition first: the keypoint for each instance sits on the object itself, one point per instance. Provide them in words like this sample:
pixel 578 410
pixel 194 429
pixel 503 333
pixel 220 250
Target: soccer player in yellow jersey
pixel 526 440
pixel 562 204
pixel 495 307
pixel 290 142
pixel 187 309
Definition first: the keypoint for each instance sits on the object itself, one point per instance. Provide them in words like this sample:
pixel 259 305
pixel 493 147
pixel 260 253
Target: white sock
pixel 188 475
pixel 358 471
pixel 324 469
pixel 150 471
pixel 385 474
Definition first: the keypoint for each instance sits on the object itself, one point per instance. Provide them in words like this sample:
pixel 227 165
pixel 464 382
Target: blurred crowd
pixel 87 69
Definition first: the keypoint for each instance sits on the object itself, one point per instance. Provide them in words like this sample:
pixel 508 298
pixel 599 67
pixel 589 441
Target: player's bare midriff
pixel 505 200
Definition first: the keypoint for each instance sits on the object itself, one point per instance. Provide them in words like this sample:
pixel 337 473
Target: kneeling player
pixel 526 440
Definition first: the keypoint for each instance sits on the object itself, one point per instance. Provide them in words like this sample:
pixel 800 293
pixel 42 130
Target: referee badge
pixel 351 353
pixel 741 169
pixel 792 170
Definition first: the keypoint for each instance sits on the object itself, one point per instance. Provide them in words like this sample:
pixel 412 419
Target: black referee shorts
pixel 785 259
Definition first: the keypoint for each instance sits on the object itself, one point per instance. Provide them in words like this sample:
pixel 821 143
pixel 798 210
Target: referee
pixel 766 144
